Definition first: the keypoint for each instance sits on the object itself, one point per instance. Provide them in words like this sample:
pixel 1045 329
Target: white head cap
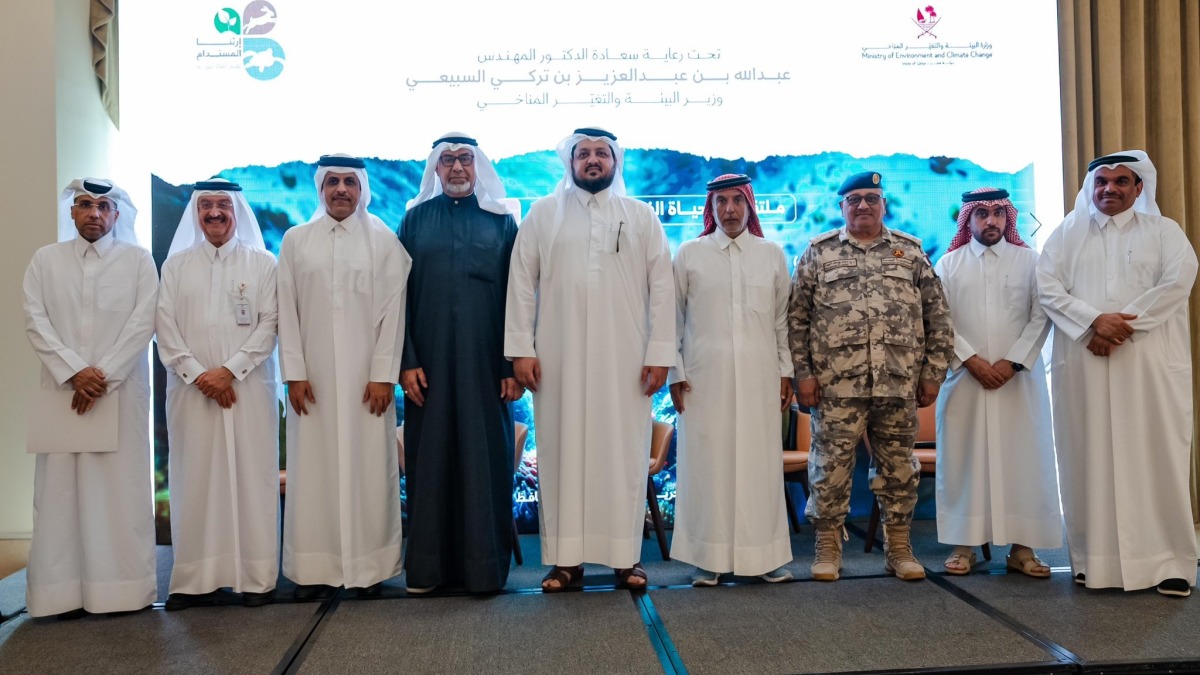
pixel 567 146
pixel 96 188
pixel 342 163
pixel 565 149
pixel 189 232
pixel 489 190
pixel 1079 220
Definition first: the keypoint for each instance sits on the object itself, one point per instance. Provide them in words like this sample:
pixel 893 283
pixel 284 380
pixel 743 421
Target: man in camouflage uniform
pixel 871 340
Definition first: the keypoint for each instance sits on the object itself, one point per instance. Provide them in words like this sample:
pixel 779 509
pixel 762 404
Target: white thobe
pixel 1123 423
pixel 93 513
pixel 341 325
pixel 224 463
pixel 593 316
pixel 731 298
pixel 997 480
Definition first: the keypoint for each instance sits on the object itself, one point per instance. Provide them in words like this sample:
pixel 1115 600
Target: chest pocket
pixel 1143 270
pixel 1016 293
pixel 898 283
pixel 485 256
pixel 115 296
pixel 840 285
pixel 760 294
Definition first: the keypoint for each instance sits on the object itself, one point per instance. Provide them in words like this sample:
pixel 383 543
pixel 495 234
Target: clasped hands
pixel 89 385
pixel 217 384
pixel 1111 331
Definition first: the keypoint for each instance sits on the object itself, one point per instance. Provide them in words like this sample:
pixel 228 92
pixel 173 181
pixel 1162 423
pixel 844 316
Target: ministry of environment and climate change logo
pixel 239 44
pixel 926 21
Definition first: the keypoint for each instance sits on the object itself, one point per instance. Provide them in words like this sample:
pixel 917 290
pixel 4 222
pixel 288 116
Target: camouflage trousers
pixel 837 426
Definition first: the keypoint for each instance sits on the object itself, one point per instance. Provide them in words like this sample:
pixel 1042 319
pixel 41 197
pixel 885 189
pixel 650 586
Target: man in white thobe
pixel 590 328
pixel 1115 279
pixel 89 314
pixel 732 378
pixel 341 286
pixel 217 317
pixel 996 476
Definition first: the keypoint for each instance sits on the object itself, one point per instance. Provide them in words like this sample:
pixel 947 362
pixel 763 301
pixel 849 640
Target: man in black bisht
pixel 458 426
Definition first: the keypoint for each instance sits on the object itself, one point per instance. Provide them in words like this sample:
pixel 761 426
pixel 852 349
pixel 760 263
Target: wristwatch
pixel 1017 367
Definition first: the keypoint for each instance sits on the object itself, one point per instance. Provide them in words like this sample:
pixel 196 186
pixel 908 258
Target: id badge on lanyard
pixel 241 308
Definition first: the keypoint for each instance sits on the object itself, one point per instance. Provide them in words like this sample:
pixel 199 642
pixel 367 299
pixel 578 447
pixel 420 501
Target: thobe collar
pixel 350 223
pixel 102 245
pixel 459 202
pixel 723 241
pixel 979 249
pixel 1120 220
pixel 224 252
pixel 602 197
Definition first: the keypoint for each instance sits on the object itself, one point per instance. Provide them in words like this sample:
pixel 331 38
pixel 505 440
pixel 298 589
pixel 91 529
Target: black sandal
pixel 636 572
pixel 567 578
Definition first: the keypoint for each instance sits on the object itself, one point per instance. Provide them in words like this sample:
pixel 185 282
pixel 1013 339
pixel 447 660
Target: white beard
pixel 459 188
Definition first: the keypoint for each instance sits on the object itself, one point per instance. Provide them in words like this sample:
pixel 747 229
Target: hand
pixel 214 381
pixel 226 398
pixel 510 390
pixel 1004 368
pixel 1101 347
pixel 528 372
pixel 300 393
pixel 653 378
pixel 677 390
pixel 984 372
pixel 90 381
pixel 808 392
pixel 927 393
pixel 378 395
pixel 1114 327
pixel 81 402
pixel 412 381
pixel 786 393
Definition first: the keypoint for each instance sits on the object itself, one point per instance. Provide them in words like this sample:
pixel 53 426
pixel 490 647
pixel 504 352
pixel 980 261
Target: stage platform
pixel 990 621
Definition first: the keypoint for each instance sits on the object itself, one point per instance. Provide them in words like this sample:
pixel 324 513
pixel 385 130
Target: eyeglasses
pixel 85 204
pixel 855 200
pixel 449 160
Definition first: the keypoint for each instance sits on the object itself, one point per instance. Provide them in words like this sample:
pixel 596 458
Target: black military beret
pixel 866 179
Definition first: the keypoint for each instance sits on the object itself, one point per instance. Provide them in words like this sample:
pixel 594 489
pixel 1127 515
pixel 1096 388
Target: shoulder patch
pixel 823 236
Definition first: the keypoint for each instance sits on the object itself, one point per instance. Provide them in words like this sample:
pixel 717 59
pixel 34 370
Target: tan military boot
pixel 898 554
pixel 827 563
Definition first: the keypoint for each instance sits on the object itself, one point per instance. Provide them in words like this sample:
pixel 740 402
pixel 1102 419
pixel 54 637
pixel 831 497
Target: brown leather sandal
pixel 567 578
pixel 632 577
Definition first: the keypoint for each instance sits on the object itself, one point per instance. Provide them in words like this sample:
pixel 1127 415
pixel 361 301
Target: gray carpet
pixel 1096 625
pixel 863 622
pixel 852 625
pixel 209 640
pixel 526 633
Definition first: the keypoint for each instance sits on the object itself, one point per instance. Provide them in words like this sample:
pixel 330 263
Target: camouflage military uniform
pixel 869 321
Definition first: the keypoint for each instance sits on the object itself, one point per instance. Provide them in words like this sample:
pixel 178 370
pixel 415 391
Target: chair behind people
pixel 660 443
pixel 925 450
pixel 521 432
pixel 797 441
